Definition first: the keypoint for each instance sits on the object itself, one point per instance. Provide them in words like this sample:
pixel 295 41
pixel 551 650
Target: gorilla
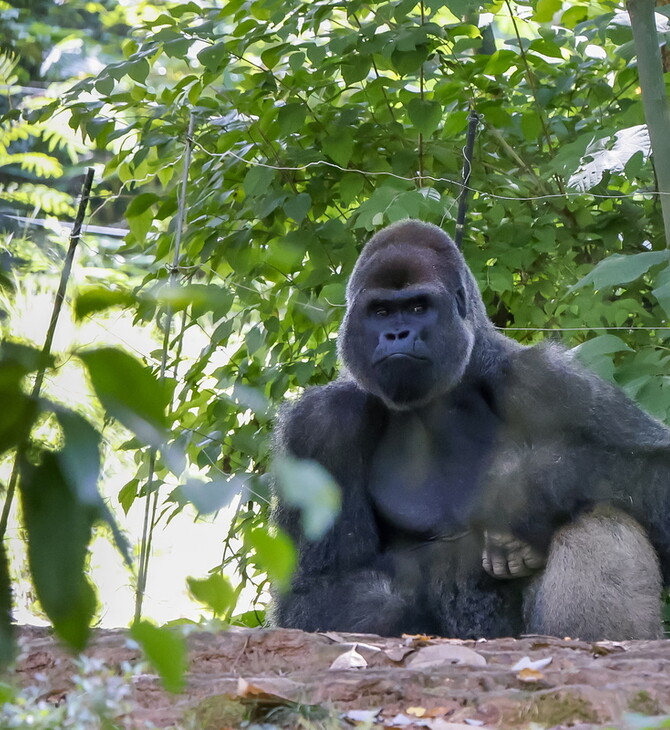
pixel 488 489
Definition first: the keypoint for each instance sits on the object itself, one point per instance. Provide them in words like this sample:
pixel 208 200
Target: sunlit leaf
pixel 621 268
pixel 215 591
pixel 610 154
pixel 129 391
pixel 275 554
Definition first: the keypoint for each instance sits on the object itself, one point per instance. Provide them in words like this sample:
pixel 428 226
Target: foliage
pixel 99 700
pixel 315 124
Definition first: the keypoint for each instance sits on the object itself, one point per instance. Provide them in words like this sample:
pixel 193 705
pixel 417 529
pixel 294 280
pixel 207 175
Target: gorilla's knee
pixel 602 581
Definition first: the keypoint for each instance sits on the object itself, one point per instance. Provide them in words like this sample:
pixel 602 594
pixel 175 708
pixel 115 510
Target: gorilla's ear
pixel 461 301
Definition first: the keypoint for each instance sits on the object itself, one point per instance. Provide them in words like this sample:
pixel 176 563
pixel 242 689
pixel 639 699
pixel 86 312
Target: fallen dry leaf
pixel 416 711
pixel 362 715
pixel 349 660
pixel 530 675
pixel 399 721
pixel 602 648
pixel 438 655
pixel 527 663
pixel 416 639
pixel 271 690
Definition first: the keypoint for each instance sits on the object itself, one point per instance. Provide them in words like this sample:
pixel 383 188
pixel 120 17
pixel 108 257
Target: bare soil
pixel 287 678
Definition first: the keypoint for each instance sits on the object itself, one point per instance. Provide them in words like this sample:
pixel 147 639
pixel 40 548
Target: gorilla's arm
pixel 572 441
pixel 342 580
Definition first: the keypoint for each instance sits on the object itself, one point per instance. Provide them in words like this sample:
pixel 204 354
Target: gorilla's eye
pixel 381 311
pixel 460 302
pixel 418 308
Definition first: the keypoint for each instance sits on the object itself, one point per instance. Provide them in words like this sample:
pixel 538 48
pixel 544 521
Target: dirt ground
pixel 287 678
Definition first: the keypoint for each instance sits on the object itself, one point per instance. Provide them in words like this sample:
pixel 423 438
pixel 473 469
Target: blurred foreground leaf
pixel 275 555
pixel 305 484
pixel 129 391
pixel 215 591
pixel 166 651
pixel 59 527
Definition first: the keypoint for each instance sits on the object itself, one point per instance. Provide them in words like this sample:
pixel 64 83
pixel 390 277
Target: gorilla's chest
pixel 426 473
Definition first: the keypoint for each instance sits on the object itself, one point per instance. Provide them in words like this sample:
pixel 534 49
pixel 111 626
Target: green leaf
pixel 288 253
pixel 339 146
pixel 356 68
pixel 80 456
pixel 546 9
pixel 105 85
pixel 254 339
pixel 662 294
pixel 213 57
pixel 291 117
pixel 99 298
pixel 546 48
pixel 424 115
pixel 138 70
pixel 620 269
pixel 165 650
pixel 296 61
pixel 258 180
pixel 406 62
pixel 128 494
pixel 18 410
pixel 275 555
pixel 129 392
pixel 59 527
pixel 501 61
pixel 251 619
pixel 177 48
pixel 298 206
pixel 201 298
pixel 601 345
pixel 272 55
pixel 211 496
pixel 306 485
pixel 216 592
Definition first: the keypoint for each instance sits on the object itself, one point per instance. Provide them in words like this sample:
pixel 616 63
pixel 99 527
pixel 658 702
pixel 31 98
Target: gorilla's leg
pixel 601 581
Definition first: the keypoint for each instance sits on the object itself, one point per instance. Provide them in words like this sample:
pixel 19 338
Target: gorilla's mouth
pixel 400 356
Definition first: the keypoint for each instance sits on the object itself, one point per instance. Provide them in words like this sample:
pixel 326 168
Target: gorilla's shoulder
pixel 546 390
pixel 326 417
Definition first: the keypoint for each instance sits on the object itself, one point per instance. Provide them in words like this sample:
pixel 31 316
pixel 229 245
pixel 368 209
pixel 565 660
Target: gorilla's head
pixel 413 309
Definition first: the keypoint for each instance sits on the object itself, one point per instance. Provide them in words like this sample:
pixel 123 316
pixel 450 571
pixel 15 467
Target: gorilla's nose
pixel 393 336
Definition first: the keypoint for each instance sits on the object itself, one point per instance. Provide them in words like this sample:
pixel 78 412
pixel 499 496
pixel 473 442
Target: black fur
pixel 440 429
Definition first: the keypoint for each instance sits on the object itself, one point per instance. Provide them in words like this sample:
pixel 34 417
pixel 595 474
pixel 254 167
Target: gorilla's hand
pixel 506 557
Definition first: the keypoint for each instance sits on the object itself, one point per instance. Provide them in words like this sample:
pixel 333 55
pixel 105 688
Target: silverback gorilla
pixel 488 489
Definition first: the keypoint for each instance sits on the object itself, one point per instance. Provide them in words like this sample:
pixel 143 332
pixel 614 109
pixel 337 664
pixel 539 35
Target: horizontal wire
pixel 417 178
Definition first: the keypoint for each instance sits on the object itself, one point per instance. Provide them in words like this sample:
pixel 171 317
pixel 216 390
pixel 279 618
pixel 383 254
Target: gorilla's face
pixel 407 345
